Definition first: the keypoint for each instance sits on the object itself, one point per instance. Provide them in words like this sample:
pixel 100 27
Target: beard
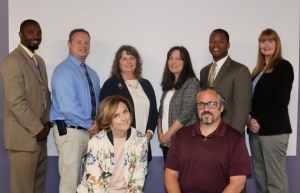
pixel 33 47
pixel 207 120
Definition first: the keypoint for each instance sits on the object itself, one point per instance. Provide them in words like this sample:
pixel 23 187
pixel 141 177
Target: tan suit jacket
pixel 26 100
pixel 235 83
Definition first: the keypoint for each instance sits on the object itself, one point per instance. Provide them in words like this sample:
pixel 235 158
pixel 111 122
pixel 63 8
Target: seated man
pixel 208 156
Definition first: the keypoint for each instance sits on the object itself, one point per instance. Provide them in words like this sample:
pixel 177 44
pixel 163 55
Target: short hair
pixel 130 50
pixel 107 110
pixel 222 31
pixel 28 21
pixel 268 34
pixel 77 30
pixel 187 72
pixel 219 93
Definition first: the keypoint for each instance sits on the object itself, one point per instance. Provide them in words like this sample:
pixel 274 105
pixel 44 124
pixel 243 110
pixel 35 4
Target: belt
pixel 75 127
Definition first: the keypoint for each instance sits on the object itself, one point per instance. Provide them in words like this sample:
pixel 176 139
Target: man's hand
pixel 42 135
pixel 94 129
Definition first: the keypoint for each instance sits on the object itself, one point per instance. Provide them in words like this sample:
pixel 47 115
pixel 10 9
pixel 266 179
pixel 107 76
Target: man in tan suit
pixel 26 112
pixel 231 77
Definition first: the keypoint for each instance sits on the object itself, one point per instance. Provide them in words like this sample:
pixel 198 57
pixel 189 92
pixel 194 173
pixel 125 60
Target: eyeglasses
pixel 210 104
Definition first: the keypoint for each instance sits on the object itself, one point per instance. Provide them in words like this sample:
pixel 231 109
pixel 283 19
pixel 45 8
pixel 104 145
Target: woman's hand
pixel 253 125
pixel 165 140
pixel 159 135
pixel 148 135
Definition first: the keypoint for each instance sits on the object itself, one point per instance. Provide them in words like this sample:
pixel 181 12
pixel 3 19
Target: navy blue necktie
pixel 92 92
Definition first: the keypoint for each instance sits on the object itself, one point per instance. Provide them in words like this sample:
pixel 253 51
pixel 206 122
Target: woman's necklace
pixel 135 87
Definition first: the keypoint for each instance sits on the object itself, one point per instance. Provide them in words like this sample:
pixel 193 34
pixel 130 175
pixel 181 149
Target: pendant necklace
pixel 135 87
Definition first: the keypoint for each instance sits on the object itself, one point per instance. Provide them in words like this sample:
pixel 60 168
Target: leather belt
pixel 75 127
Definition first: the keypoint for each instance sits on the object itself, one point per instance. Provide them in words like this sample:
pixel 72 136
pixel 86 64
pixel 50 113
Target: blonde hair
pixel 107 110
pixel 268 34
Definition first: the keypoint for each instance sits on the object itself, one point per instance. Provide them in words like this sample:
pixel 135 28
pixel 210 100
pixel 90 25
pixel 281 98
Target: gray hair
pixel 219 93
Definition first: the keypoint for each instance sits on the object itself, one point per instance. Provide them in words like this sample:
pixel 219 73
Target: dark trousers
pixel 165 150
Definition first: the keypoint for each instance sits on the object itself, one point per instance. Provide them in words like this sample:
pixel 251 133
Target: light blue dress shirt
pixel 71 100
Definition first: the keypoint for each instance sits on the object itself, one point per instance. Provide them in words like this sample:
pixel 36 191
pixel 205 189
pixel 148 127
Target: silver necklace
pixel 135 87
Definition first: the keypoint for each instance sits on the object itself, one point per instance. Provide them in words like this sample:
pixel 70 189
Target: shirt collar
pixel 75 60
pixel 219 132
pixel 27 50
pixel 221 62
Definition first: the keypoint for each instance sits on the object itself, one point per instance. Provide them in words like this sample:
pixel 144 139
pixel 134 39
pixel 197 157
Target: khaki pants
pixel 71 149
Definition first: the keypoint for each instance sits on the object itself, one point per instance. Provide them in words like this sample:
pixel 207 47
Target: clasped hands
pixel 164 139
pixel 253 125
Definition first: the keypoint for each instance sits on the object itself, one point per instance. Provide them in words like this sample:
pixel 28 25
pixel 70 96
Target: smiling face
pixel 79 46
pixel 127 63
pixel 121 121
pixel 209 116
pixel 31 36
pixel 175 63
pixel 267 47
pixel 218 45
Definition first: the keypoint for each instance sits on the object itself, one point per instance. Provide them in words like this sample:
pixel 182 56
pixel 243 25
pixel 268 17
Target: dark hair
pixel 28 21
pixel 116 70
pixel 107 110
pixel 222 31
pixel 77 30
pixel 168 79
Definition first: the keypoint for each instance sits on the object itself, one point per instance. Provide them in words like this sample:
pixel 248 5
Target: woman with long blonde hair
pixel 269 125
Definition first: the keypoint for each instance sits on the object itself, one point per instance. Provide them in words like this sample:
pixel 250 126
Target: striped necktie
pixel 92 92
pixel 36 64
pixel 212 75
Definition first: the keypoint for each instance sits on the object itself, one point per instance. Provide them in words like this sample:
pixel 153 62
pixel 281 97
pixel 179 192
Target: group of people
pixel 200 124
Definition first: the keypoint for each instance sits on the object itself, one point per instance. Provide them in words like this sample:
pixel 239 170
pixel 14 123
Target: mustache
pixel 206 112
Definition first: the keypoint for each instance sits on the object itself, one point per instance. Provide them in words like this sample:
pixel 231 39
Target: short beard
pixel 33 47
pixel 205 121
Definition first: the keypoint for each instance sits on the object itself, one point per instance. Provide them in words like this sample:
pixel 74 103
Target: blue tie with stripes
pixel 92 92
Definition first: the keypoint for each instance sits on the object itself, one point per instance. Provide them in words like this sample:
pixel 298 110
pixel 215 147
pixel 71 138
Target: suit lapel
pixel 31 65
pixel 222 72
pixel 259 81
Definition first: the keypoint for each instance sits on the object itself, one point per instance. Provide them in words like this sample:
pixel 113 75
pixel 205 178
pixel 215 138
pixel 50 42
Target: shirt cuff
pixel 150 131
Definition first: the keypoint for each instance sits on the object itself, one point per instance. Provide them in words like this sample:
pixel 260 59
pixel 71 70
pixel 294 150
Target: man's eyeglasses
pixel 210 104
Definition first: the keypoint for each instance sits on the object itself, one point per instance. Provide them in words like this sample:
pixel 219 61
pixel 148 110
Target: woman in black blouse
pixel 126 80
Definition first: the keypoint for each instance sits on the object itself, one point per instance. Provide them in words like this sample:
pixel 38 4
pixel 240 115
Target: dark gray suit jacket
pixel 234 81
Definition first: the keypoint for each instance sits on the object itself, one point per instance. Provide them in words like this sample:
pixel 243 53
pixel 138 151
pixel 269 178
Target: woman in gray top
pixel 177 105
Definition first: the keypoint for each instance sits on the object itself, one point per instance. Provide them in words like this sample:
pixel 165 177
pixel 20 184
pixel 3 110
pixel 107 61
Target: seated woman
pixel 126 80
pixel 117 156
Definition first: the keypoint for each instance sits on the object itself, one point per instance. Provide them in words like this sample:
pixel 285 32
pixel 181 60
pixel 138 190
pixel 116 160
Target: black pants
pixel 165 150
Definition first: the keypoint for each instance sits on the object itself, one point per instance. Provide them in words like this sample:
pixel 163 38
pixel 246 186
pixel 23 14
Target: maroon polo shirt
pixel 205 164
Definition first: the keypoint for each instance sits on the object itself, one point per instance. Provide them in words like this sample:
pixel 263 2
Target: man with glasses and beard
pixel 208 156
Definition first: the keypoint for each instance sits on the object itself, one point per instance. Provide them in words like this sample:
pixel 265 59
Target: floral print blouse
pixel 100 162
